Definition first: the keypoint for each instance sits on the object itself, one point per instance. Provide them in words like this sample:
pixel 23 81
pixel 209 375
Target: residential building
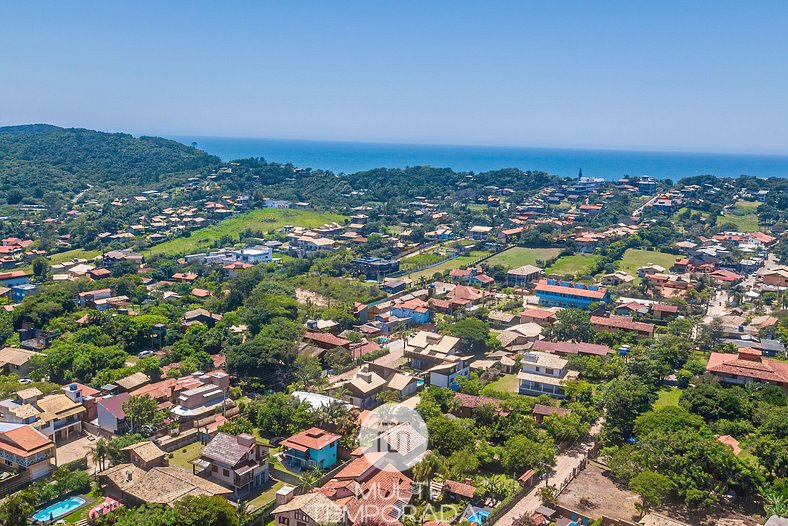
pixel 16 361
pixel 25 449
pixel 564 348
pixel 647 186
pixel 237 461
pixel 614 324
pixel 363 389
pixel 426 349
pixel 313 447
pixel 554 293
pixel 522 276
pixel 375 268
pixel 110 414
pixel 203 401
pixel 542 317
pixel 133 485
pixel 544 373
pixel 415 310
pixel 309 509
pixel 746 367
pixel 253 255
pixel 447 373
pixel 147 455
pixel 14 278
pixel 774 277
pixel 200 316
pixel 60 417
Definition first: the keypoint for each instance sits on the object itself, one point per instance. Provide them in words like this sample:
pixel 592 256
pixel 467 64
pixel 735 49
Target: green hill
pixel 38 159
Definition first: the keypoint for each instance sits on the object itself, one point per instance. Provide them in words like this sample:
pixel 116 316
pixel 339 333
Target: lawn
pixel 635 258
pixel 457 262
pixel 269 494
pixel 54 259
pixel 505 384
pixel 748 206
pixel 578 264
pixel 519 256
pixel 668 397
pixel 263 220
pixel 182 457
pixel 745 222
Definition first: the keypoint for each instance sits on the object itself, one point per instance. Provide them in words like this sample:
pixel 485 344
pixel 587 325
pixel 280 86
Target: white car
pixel 145 354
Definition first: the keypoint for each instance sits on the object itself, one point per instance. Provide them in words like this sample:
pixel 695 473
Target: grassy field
pixel 272 486
pixel 744 222
pixel 182 456
pixel 519 256
pixel 668 397
pixel 573 265
pixel 71 254
pixel 748 206
pixel 635 258
pixel 505 384
pixel 264 220
pixel 449 265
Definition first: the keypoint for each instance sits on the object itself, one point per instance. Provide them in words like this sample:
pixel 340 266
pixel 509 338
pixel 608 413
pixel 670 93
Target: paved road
pixel 564 465
pixel 639 210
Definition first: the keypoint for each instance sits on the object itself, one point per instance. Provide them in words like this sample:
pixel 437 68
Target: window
pixel 548 370
pixel 301 516
pixel 226 472
pixel 215 468
pixel 284 520
pixel 537 368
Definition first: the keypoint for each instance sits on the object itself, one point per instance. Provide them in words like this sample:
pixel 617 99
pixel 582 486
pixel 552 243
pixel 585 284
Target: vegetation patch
pixel 635 258
pixel 264 221
pixel 574 265
pixel 519 256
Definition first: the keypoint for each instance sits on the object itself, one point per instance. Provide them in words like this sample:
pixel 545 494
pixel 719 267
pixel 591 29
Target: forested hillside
pixel 39 159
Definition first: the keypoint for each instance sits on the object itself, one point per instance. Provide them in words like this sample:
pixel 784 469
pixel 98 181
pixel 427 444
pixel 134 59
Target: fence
pixel 170 444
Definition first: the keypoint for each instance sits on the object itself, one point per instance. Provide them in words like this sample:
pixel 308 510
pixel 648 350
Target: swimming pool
pixel 58 509
pixel 480 517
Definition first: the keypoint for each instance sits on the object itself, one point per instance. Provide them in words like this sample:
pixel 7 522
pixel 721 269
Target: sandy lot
pixel 594 494
pixel 74 450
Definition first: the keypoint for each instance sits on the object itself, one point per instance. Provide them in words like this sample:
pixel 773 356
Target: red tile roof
pixel 571 348
pixel 327 338
pixel 24 441
pixel 750 364
pixel 459 488
pixel 623 322
pixel 598 294
pixel 312 438
pixel 544 410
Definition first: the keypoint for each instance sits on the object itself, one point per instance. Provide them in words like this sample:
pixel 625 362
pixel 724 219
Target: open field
pixel 592 493
pixel 71 254
pixel 748 206
pixel 182 456
pixel 668 397
pixel 745 222
pixel 507 383
pixel 268 495
pixel 263 220
pixel 519 256
pixel 449 265
pixel 635 258
pixel 572 265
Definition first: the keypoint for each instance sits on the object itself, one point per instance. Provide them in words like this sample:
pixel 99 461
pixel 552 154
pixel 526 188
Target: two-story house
pixel 25 449
pixel 236 461
pixel 554 293
pixel 416 310
pixel 313 447
pixel 446 374
pixel 544 373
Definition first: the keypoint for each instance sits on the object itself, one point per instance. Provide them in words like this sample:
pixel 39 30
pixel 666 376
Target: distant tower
pixel 580 174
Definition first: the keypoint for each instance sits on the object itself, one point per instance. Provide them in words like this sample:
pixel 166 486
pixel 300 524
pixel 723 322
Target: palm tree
pixel 100 453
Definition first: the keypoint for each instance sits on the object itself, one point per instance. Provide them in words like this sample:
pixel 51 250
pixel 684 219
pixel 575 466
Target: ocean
pixel 349 157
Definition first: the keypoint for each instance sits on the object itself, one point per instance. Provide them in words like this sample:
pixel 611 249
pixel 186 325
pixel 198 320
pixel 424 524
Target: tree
pixel 100 453
pixel 521 453
pixel 652 487
pixel 449 435
pixel 474 334
pixel 625 399
pixel 198 511
pixel 15 510
pixel 565 428
pixel 40 267
pixel 572 325
pixel 307 370
pixel 142 411
pixel 237 427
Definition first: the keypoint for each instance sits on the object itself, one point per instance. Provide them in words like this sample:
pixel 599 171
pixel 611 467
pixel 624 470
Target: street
pixel 565 463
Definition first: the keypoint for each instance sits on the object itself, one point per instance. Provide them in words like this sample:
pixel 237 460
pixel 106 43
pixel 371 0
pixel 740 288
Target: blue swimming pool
pixel 58 509
pixel 480 517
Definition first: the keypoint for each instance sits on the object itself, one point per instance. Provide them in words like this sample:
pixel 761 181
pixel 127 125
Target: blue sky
pixel 704 76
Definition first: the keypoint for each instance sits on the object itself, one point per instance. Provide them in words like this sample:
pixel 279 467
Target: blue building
pixel 19 292
pixel 313 447
pixel 554 293
pixel 15 277
pixel 416 310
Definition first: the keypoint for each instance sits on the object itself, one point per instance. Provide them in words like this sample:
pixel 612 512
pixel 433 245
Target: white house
pixel 544 373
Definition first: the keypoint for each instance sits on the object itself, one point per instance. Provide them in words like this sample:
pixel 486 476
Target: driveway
pixel 75 450
pixel 565 464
